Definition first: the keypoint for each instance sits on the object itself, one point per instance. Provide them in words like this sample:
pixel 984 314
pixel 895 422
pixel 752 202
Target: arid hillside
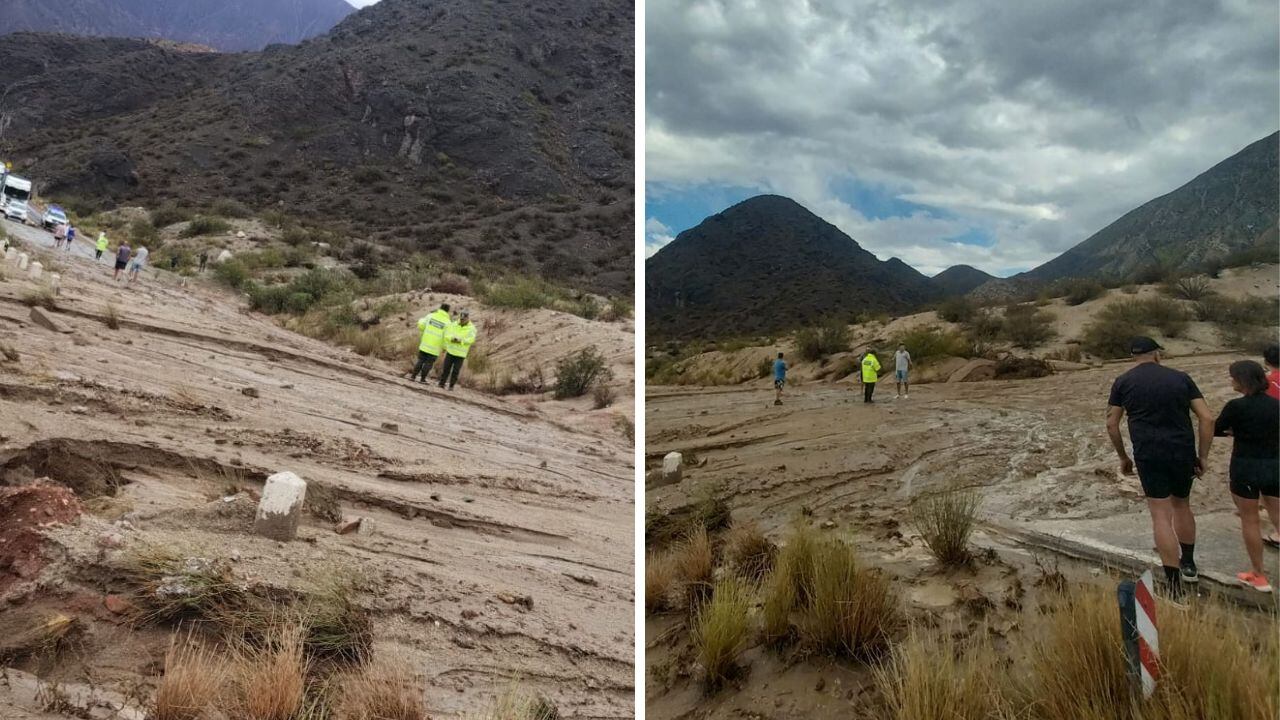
pixel 491 567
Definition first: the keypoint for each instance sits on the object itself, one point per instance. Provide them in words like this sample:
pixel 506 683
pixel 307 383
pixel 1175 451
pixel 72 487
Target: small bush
pixel 602 396
pixel 270 679
pixel 205 225
pixel 626 428
pixel 957 309
pixel 945 521
pixel 1194 287
pixel 659 581
pixel 167 215
pixel 850 611
pixel 749 552
pixel 111 316
pixel 231 273
pixel 1077 291
pixel 142 232
pixel 578 373
pixel 523 293
pixel 929 678
pixel 1108 334
pixel 695 566
pixel 815 343
pixel 229 207
pixel 1026 327
pixel 618 309
pixel 40 297
pixel 931 342
pixel 452 284
pixel 779 600
pixel 721 630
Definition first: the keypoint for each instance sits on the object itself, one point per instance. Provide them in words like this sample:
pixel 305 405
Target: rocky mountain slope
pixel 768 264
pixel 959 279
pixel 486 133
pixel 1224 209
pixel 229 25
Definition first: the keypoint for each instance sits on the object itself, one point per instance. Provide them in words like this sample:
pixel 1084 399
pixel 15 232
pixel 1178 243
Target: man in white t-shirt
pixel 902 366
pixel 138 263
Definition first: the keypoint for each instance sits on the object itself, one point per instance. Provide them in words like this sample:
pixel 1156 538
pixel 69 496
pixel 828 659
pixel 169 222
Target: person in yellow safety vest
pixel 101 246
pixel 432 343
pixel 458 340
pixel 870 366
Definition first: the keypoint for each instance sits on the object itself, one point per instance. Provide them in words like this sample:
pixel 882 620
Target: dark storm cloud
pixel 1041 121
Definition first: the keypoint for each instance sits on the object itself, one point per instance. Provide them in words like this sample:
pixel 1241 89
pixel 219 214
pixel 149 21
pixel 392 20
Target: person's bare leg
pixel 1249 527
pixel 1272 504
pixel 1184 523
pixel 1162 527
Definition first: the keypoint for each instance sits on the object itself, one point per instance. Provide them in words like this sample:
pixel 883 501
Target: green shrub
pixel 851 611
pixel 205 225
pixel 985 327
pixel 1194 287
pixel 931 342
pixel 957 309
pixel 945 521
pixel 519 292
pixel 1077 291
pixel 231 273
pixel 228 207
pixel 142 232
pixel 814 343
pixel 1108 334
pixel 721 630
pixel 1026 327
pixel 1168 316
pixel 169 214
pixel 578 373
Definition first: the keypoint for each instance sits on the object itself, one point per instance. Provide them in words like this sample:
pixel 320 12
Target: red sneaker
pixel 1257 581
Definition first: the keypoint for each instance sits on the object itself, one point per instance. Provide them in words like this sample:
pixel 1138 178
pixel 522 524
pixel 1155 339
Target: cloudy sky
pixel 991 133
pixel 362 3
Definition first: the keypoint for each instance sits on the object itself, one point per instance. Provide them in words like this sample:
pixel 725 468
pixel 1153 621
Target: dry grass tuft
pixel 9 353
pixel 930 677
pixel 41 297
pixel 720 630
pixel 173 587
pixel 270 679
pixel 380 692
pixel 749 552
pixel 194 679
pixel 850 609
pixel 659 581
pixel 111 316
pixel 695 567
pixel 945 520
pixel 515 704
pixel 336 627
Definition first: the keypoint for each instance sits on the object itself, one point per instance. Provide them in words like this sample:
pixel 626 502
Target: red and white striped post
pixel 1138 627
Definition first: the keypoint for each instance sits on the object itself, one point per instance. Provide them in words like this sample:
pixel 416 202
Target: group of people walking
pixel 441 334
pixel 129 261
pixel 868 373
pixel 1168 454
pixel 64 236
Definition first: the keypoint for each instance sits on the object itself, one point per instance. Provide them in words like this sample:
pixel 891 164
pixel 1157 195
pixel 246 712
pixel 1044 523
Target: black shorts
pixel 120 264
pixel 1251 477
pixel 1162 477
pixel 779 382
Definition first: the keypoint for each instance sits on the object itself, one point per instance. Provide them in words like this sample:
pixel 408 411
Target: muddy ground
pixel 1054 506
pixel 501 549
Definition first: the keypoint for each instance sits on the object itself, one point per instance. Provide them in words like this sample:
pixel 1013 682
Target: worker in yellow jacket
pixel 433 327
pixel 458 340
pixel 870 368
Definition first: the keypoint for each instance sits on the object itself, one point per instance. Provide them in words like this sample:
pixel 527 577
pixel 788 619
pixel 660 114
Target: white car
pixel 53 217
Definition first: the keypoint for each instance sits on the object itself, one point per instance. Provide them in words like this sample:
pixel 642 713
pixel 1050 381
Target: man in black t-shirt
pixel 1159 401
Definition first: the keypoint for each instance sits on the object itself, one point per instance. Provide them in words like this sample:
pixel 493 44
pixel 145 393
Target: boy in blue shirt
pixel 779 378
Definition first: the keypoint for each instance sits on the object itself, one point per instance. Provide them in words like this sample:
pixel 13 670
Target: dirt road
pixel 502 543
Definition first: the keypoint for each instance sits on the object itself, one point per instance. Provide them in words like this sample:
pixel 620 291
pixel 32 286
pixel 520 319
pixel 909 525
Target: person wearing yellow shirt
pixel 100 246
pixel 433 327
pixel 458 340
pixel 870 366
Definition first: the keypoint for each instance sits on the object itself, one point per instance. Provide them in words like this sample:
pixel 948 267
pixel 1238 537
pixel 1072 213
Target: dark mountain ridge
pixel 495 133
pixel 959 279
pixel 229 25
pixel 766 265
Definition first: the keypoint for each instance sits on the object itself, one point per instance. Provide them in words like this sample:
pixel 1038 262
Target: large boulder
pixel 975 370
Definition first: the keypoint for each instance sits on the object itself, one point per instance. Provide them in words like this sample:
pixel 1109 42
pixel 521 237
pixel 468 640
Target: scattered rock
pixel 470 614
pixel 250 392
pixel 111 540
pixel 80 409
pixel 390 427
pixel 584 579
pixel 117 604
pixel 46 320
pixel 463 643
pixel 520 601
pixel 346 527
pixel 828 524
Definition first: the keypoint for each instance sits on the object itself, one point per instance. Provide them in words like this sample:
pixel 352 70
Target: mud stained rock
pixel 280 507
pixel 24 511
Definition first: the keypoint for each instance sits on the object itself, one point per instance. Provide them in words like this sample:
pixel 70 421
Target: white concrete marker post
pixel 22 261
pixel 672 468
pixel 280 507
pixel 55 283
pixel 37 269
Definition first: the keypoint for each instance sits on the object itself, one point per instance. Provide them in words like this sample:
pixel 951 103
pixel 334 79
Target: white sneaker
pixel 905 396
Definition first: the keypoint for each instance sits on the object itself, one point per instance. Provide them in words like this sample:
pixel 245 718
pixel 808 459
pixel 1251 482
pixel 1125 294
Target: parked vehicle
pixel 53 217
pixel 16 192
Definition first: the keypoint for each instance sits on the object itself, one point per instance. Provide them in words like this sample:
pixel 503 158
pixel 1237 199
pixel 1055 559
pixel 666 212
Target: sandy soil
pixel 474 500
pixel 1053 501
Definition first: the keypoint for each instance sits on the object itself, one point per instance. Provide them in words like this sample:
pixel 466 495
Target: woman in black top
pixel 1253 421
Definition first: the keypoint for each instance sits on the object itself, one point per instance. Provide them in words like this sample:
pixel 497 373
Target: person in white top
pixel 902 366
pixel 138 263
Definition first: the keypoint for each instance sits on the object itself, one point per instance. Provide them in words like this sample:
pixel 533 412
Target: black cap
pixel 1142 345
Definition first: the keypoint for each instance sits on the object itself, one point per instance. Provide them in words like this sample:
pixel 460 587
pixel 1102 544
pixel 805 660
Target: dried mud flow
pixel 1054 509
pixel 501 543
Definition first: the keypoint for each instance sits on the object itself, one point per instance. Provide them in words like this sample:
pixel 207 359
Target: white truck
pixel 15 194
